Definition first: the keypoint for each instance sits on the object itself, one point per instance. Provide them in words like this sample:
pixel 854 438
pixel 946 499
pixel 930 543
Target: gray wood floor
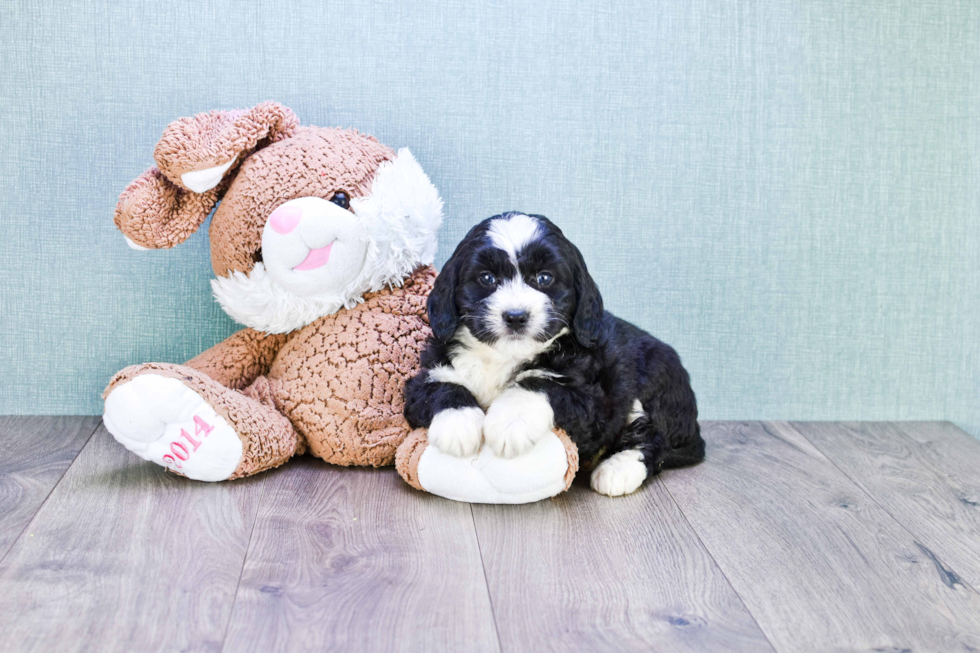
pixel 790 537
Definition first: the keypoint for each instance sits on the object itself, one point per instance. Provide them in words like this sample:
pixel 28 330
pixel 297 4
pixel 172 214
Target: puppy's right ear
pixel 587 323
pixel 443 316
pixel 196 159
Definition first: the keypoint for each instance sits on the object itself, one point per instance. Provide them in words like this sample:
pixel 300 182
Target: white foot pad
pixel 619 474
pixel 162 420
pixel 487 478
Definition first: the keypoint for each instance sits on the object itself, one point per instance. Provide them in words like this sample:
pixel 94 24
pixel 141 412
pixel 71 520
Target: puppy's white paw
pixel 516 420
pixel 162 420
pixel 619 474
pixel 457 431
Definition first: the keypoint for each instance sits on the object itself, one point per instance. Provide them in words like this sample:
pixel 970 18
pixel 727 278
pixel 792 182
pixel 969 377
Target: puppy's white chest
pixel 484 376
pixel 487 370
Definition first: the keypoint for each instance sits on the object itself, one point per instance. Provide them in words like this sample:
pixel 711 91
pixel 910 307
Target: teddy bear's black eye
pixel 341 199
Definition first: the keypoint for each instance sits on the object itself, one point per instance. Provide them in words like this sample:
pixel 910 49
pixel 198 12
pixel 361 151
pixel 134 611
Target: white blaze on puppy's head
pixel 515 309
pixel 513 233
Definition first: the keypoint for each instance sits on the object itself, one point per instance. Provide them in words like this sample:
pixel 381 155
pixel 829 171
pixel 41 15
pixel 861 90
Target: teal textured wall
pixel 788 192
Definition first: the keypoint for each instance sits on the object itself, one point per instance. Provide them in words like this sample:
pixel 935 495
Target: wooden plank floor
pixel 34 454
pixel 790 537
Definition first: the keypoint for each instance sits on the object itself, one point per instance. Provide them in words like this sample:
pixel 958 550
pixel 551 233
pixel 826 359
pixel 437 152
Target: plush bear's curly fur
pixel 324 374
pixel 334 386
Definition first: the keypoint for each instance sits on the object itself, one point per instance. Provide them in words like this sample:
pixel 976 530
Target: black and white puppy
pixel 519 331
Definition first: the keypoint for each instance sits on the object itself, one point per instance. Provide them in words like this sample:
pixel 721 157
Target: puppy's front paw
pixel 516 421
pixel 457 431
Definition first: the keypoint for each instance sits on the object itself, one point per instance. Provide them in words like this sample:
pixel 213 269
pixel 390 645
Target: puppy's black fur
pixel 593 372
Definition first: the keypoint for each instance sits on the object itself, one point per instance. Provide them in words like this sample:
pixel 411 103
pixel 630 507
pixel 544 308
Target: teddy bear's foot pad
pixel 162 420
pixel 486 478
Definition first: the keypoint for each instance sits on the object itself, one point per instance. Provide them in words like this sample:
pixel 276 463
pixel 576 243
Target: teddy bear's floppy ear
pixel 153 213
pixel 196 159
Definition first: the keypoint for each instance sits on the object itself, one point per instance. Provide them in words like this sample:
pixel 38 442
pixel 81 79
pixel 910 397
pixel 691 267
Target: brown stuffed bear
pixel 322 245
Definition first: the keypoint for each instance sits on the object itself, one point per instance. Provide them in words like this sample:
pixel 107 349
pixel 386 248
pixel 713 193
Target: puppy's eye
pixel 341 199
pixel 487 279
pixel 544 279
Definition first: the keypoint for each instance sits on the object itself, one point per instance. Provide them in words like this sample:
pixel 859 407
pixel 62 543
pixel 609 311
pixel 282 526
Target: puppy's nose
pixel 516 320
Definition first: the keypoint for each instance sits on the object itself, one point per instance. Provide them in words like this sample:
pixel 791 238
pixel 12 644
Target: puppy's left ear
pixel 587 322
pixel 441 305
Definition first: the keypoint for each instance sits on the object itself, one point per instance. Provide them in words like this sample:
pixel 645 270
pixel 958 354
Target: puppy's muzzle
pixel 516 320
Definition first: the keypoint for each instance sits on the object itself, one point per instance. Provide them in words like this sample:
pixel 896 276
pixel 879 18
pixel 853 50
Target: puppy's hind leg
pixel 619 474
pixel 644 450
pixel 690 452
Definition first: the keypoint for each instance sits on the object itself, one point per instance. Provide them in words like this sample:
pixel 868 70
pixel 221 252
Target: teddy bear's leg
pixel 545 470
pixel 182 419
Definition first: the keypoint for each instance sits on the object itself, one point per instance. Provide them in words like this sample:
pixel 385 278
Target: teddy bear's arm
pixel 241 358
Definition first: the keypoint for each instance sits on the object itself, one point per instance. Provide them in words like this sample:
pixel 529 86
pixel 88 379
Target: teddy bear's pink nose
pixel 285 218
